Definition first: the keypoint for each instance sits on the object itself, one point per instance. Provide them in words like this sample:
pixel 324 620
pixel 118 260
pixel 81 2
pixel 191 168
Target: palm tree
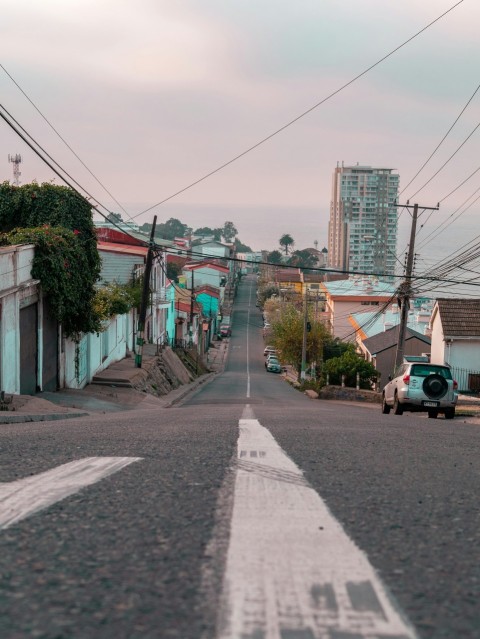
pixel 286 241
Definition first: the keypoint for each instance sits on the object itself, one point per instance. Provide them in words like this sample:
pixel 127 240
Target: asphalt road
pixel 142 552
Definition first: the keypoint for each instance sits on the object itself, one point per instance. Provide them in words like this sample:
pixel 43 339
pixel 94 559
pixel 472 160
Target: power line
pixel 63 139
pixel 302 115
pixel 446 162
pixel 33 144
pixel 441 141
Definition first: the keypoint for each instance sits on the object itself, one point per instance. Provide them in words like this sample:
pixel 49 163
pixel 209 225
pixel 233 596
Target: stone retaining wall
pixel 350 394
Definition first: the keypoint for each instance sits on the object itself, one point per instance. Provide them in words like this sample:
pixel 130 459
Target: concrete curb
pixel 28 417
pixel 183 391
pixel 164 401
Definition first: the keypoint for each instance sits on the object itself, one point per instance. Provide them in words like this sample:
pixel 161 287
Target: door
pixel 28 350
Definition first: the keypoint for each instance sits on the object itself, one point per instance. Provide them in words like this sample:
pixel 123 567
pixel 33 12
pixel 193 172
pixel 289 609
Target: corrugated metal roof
pixel 358 287
pixel 122 248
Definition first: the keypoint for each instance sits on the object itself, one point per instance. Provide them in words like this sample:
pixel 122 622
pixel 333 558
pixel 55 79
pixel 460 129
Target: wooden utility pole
pixel 405 288
pixel 303 369
pixel 192 299
pixel 145 292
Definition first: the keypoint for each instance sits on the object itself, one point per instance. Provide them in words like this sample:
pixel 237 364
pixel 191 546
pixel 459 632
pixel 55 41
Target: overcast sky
pixel 152 95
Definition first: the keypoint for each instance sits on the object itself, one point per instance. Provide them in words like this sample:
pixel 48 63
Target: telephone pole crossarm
pixel 404 292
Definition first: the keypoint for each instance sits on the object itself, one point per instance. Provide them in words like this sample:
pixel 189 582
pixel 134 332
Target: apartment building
pixel 362 231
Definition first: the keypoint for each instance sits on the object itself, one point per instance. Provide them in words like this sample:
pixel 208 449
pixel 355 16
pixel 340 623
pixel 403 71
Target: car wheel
pixel 449 413
pixel 397 407
pixel 433 414
pixel 385 406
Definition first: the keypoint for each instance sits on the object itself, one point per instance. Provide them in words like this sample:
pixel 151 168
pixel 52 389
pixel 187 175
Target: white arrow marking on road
pixel 24 497
pixel 292 572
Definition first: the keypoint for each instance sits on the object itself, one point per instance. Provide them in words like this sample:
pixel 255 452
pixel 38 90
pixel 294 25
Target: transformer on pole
pixel 16 160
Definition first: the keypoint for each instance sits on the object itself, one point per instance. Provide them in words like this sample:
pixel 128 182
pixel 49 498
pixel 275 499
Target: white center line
pixel 248 341
pixel 292 571
pixel 24 497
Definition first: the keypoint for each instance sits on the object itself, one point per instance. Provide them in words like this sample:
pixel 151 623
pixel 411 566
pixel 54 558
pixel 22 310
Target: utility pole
pixel 145 292
pixel 405 288
pixel 304 341
pixel 192 297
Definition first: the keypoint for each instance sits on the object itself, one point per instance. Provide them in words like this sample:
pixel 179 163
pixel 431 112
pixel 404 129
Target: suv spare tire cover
pixel 435 386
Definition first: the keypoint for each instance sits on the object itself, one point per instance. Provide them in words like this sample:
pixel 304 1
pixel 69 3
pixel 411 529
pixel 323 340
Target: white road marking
pixel 292 572
pixel 248 341
pixel 24 497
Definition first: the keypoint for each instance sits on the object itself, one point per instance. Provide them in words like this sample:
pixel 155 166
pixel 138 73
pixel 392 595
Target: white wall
pixel 464 353
pixel 113 340
pixel 15 283
pixel 437 348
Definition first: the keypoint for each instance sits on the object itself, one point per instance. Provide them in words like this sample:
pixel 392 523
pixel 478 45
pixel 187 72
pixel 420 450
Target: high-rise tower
pixel 362 232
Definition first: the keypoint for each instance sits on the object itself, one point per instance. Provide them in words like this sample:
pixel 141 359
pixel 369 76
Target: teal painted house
pixel 209 299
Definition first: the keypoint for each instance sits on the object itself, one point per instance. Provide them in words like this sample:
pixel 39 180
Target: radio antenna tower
pixel 16 160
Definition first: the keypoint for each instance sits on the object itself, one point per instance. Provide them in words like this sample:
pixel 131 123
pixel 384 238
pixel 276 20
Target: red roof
pixel 185 307
pixel 210 290
pixel 214 265
pixel 112 247
pixel 105 234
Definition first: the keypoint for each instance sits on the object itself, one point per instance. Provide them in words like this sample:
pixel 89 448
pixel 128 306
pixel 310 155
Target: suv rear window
pixel 422 370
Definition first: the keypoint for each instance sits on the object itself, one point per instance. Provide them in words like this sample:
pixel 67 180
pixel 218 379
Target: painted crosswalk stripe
pixel 24 497
pixel 292 572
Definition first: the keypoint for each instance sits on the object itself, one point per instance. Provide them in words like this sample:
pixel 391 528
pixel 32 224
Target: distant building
pixel 362 231
pixel 346 297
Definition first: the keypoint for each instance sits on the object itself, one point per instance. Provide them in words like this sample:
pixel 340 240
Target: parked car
pixel 269 349
pixel 421 387
pixel 273 366
pixel 225 330
pixel 271 358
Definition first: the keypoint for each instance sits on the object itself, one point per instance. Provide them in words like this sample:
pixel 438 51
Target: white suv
pixel 421 387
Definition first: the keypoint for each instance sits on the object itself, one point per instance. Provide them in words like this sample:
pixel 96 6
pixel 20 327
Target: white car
pixel 421 387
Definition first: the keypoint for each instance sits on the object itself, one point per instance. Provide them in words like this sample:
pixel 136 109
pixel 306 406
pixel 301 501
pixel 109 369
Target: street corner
pixel 30 408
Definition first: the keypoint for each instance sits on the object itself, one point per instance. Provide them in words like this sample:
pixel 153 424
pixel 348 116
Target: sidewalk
pixel 113 391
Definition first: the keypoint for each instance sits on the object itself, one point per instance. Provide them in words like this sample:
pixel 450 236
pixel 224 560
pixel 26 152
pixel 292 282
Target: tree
pixel 146 228
pixel 58 221
pixel 229 231
pixel 266 292
pixel 349 364
pixel 287 336
pixel 114 217
pixel 275 257
pixel 173 271
pixel 286 241
pixel 171 229
pixel 206 231
pixel 334 348
pixel 303 259
pixel 240 247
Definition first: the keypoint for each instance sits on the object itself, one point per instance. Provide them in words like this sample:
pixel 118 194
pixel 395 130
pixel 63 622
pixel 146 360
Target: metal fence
pixel 468 380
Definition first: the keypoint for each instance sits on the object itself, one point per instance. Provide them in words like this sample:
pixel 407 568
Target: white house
pixel 25 330
pixel 455 326
pixel 121 262
pixel 207 272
